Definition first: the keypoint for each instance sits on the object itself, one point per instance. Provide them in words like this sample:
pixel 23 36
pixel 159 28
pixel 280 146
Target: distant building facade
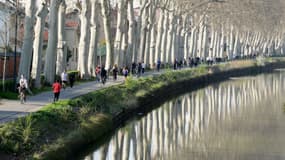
pixel 9 64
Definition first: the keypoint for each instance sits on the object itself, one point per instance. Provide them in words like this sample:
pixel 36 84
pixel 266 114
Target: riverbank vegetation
pixel 60 129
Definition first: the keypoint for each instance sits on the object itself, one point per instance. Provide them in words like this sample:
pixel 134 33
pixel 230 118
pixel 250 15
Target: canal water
pixel 242 118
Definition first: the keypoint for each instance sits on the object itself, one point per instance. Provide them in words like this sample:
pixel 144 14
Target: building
pixel 72 36
pixel 9 64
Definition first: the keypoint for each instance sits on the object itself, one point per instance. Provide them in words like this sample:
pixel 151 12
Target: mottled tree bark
pixel 119 32
pixel 131 33
pixel 84 39
pixel 61 60
pixel 50 59
pixel 38 44
pixel 105 4
pixel 27 49
pixel 94 37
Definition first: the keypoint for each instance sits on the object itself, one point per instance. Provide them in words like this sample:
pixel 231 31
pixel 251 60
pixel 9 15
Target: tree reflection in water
pixel 178 126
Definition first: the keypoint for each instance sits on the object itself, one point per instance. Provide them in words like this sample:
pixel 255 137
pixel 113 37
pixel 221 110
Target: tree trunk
pixel 236 46
pixel 215 44
pixel 131 32
pixel 192 42
pixel 152 48
pixel 164 37
pixel 27 50
pixel 186 45
pixel 170 38
pixel 184 37
pixel 205 42
pixel 119 31
pixel 200 41
pixel 185 33
pixel 231 43
pixel 139 28
pixel 124 44
pixel 149 52
pixel 123 53
pixel 143 34
pixel 50 59
pixel 212 43
pixel 222 44
pixel 84 39
pixel 61 47
pixel 159 37
pixel 180 36
pixel 178 39
pixel 218 44
pixel 147 45
pixel 107 30
pixel 174 43
pixel 38 45
pixel 94 37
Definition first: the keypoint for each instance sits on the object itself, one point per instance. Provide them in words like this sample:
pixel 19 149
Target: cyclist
pixel 23 85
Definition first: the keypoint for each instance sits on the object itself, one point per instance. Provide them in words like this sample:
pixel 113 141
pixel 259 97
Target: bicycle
pixel 64 84
pixel 22 95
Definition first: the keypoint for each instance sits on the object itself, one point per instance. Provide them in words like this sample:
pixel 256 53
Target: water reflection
pixel 192 125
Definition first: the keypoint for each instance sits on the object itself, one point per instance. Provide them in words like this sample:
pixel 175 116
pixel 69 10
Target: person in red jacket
pixel 56 90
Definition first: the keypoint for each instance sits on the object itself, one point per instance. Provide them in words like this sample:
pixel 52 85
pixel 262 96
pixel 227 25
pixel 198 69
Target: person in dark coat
pixel 134 67
pixel 139 69
pixel 158 65
pixel 103 75
pixel 71 79
pixel 115 72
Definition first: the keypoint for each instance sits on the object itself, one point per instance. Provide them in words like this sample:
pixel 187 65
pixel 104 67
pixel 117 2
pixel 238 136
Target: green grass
pixel 9 95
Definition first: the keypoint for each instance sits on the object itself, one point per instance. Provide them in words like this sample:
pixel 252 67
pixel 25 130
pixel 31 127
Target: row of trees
pixel 155 30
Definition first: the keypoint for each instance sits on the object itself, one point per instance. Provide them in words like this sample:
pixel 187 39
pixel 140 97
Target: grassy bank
pixel 59 130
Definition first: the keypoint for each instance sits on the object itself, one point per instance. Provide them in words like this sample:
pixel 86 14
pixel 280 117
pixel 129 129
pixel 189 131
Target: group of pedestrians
pixel 62 83
pixel 101 74
pixel 138 68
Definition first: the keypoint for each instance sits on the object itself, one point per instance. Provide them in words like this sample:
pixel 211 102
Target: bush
pixel 9 85
pixel 75 73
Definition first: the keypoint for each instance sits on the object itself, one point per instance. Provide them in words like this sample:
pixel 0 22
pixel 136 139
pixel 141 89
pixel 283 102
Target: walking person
pixel 115 72
pixel 134 67
pixel 103 75
pixel 71 79
pixel 158 65
pixel 56 90
pixel 139 69
pixel 64 79
pixel 143 67
pixel 125 72
pixel 98 72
